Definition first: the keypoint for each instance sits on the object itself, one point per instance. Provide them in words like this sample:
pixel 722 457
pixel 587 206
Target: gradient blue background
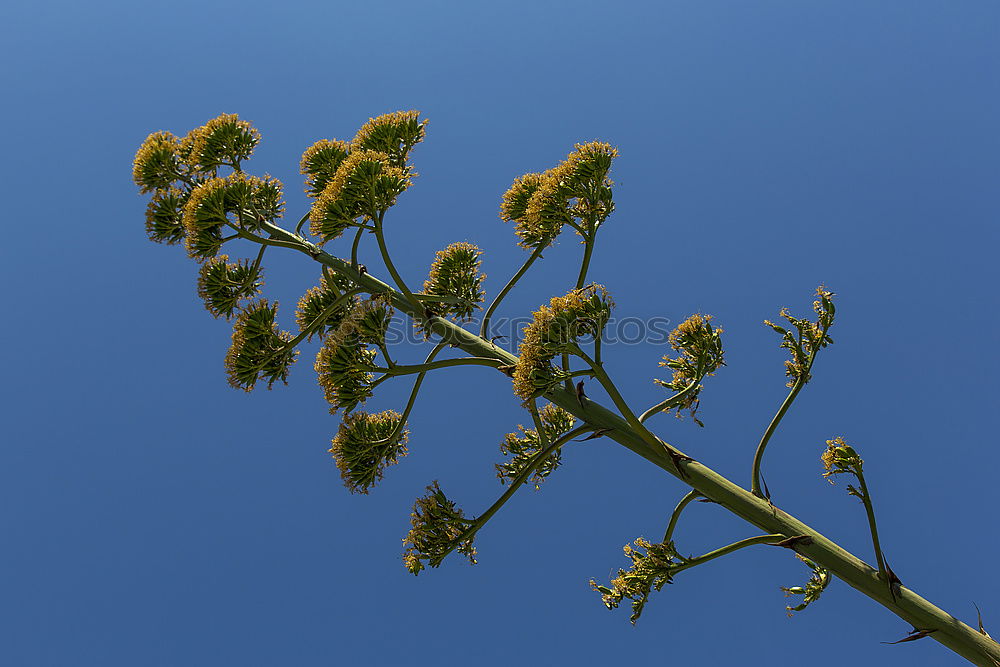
pixel 151 515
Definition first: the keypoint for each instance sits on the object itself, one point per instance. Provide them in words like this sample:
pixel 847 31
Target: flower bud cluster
pixel 362 178
pixel 840 458
pixel 238 199
pixel 316 312
pixel 178 171
pixel 455 274
pixel 578 188
pixel 259 350
pixel 525 447
pixel 812 589
pixel 344 363
pixel 555 329
pixel 649 571
pixel 437 526
pixel 809 337
pixel 365 445
pixel 224 286
pixel 700 353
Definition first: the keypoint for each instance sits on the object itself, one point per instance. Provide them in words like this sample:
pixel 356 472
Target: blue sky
pixel 152 515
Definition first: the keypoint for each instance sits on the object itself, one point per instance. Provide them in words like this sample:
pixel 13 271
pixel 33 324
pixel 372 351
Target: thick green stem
pixel 907 605
pixel 484 329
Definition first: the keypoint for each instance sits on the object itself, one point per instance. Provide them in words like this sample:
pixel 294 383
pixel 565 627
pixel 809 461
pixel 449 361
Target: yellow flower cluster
pixel 455 273
pixel 578 187
pixel 394 134
pixel 365 445
pixel 364 184
pixel 556 328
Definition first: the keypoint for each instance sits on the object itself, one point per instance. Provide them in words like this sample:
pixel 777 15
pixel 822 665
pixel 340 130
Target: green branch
pixel 685 501
pixel 800 381
pixel 484 329
pixel 515 484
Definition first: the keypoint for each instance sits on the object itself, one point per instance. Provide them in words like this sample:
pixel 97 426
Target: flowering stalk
pixel 915 610
pixel 353 185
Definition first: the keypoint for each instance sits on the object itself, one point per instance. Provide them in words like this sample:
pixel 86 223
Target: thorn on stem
pixel 892 578
pixel 979 616
pixel 676 458
pixel 792 542
pixel 913 635
pixel 596 434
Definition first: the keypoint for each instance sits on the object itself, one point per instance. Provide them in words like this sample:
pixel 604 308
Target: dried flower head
pixel 437 529
pixel 164 216
pixel 524 448
pixel 259 350
pixel 365 184
pixel 223 141
pixel 320 162
pixel 157 162
pixel 808 337
pixel 224 286
pixel 394 134
pixel 365 445
pixel 555 329
pixel 649 571
pixel 455 275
